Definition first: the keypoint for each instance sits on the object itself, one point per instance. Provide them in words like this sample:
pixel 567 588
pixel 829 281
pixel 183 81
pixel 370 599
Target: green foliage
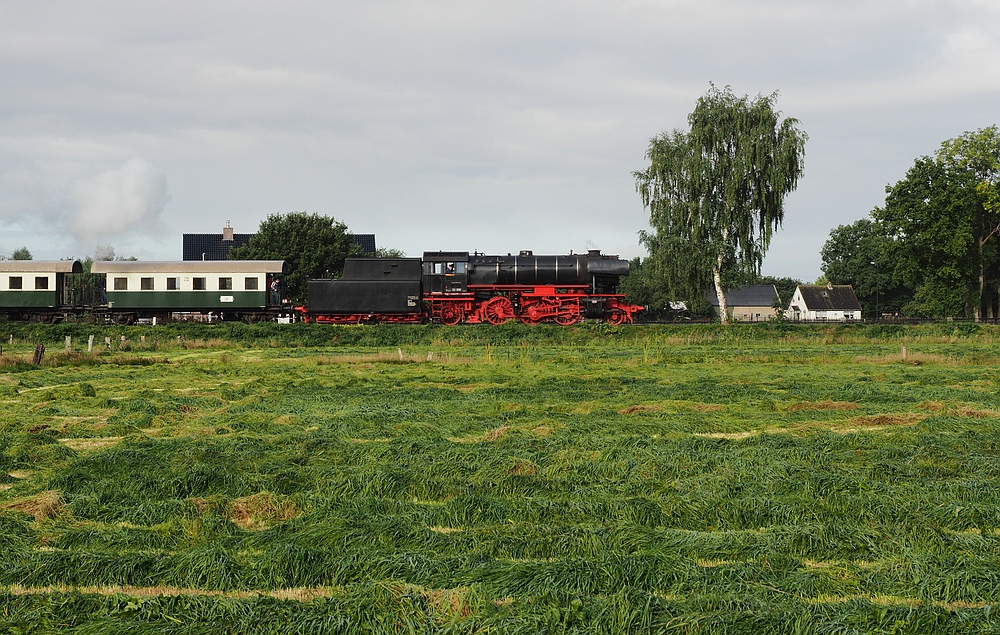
pixel 932 250
pixel 311 245
pixel 930 218
pixel 860 255
pixel 21 253
pixel 642 286
pixel 715 193
pixel 977 154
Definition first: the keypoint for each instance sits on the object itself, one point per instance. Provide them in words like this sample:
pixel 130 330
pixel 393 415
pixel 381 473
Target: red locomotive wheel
pixel 451 315
pixel 498 310
pixel 615 316
pixel 567 319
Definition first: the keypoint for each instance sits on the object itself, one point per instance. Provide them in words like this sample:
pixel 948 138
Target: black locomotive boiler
pixel 455 286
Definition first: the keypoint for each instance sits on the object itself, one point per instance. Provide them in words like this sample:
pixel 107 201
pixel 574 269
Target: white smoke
pixel 104 252
pixel 126 200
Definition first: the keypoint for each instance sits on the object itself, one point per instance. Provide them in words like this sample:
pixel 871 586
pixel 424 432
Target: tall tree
pixel 715 194
pixel 21 253
pixel 978 153
pixel 311 245
pixel 860 255
pixel 930 220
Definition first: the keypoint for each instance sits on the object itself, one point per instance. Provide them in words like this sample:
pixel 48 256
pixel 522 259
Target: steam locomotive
pixel 451 287
pixel 444 287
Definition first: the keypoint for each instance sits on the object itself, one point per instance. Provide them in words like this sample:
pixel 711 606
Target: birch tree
pixel 715 193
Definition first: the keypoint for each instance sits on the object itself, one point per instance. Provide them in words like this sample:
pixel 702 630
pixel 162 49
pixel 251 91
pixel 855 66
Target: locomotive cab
pixel 446 272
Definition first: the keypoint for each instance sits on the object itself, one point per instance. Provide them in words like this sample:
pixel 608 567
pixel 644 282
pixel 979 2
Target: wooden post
pixel 39 353
pixel 400 351
pixel 90 344
pixel 69 343
pixel 904 353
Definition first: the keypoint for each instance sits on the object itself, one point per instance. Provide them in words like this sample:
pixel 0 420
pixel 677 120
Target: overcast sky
pixel 459 125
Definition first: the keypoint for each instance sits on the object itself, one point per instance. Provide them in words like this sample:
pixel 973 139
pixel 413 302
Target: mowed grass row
pixel 521 488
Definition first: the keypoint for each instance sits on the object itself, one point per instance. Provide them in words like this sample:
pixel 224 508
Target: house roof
pixel 211 246
pixel 216 246
pixel 748 295
pixel 830 298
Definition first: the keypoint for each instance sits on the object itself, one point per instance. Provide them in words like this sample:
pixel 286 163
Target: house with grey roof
pixel 749 303
pixel 830 303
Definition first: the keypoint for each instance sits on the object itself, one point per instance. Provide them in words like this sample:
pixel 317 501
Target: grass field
pixel 593 479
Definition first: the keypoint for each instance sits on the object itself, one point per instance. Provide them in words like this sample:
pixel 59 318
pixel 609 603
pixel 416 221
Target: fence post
pixel 90 344
pixel 69 343
pixel 39 353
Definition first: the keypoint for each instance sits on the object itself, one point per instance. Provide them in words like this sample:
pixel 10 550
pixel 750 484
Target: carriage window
pixel 173 284
pixel 225 284
pixel 460 267
pixel 250 284
pixel 14 283
pixel 41 282
pixel 198 284
pixel 146 284
pixel 121 284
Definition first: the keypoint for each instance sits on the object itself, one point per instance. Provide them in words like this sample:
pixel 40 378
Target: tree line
pixel 931 249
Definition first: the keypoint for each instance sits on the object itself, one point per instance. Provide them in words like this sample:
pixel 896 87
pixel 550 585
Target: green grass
pixel 587 480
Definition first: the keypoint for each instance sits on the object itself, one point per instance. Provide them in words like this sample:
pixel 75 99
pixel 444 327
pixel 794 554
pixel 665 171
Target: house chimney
pixel 227 232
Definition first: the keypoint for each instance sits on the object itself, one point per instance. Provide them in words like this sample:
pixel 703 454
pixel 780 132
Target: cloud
pixel 130 198
pixel 519 122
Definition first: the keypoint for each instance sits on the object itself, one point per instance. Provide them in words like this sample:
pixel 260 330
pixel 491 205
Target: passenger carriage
pixel 37 289
pixel 218 289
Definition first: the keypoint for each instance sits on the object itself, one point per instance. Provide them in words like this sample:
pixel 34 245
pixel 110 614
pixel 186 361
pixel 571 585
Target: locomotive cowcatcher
pixel 452 287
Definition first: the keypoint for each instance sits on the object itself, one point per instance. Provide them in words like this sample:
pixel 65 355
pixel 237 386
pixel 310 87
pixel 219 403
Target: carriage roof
pixel 189 266
pixel 41 266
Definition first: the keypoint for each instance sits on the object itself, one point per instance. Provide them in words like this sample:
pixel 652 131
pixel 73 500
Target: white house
pixel 832 303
